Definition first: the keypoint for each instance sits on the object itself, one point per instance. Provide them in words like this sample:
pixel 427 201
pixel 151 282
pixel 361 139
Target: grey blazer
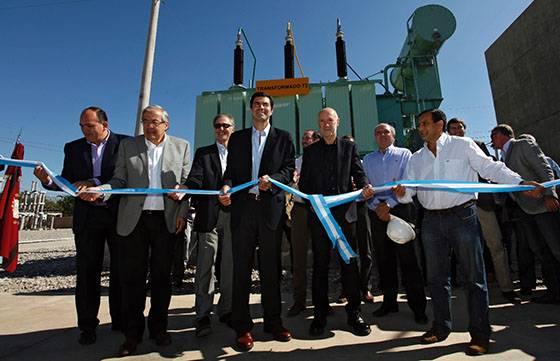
pixel 131 171
pixel 526 158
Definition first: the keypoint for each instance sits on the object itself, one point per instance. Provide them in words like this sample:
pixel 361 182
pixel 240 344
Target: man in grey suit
pixel 147 224
pixel 541 214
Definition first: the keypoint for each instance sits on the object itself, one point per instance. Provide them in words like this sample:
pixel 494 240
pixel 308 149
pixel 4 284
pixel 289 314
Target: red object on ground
pixel 9 213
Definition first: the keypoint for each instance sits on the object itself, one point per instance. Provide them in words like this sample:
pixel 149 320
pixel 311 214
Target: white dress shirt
pixel 222 151
pixel 460 159
pixel 154 202
pixel 258 141
pixel 299 160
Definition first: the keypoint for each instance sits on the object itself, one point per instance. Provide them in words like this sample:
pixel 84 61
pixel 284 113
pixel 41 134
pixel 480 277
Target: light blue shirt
pixel 258 141
pixel 383 168
pixel 97 158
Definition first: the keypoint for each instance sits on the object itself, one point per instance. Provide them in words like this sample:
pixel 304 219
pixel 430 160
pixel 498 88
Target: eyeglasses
pixel 221 125
pixel 155 123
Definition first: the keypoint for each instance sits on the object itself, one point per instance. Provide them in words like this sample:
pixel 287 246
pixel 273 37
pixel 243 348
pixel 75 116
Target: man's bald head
pixel 330 111
pixel 328 123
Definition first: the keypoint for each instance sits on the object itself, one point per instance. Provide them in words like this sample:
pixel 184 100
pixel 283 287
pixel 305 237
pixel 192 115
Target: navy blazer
pixel 206 173
pixel 78 167
pixel 278 162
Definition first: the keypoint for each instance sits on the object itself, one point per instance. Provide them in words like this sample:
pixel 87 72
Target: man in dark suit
pixel 147 224
pixel 257 153
pixel 486 207
pixel 212 223
pixel 90 161
pixel 541 214
pixel 328 168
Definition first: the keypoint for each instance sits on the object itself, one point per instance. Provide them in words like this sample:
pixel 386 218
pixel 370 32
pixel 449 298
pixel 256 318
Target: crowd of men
pixel 142 230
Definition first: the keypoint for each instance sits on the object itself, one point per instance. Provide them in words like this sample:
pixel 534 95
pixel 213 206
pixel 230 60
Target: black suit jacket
pixel 206 173
pixel 278 162
pixel 348 166
pixel 78 167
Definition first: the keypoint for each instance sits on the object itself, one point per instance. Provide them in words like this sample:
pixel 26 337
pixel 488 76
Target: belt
pixel 149 212
pixel 253 197
pixel 452 209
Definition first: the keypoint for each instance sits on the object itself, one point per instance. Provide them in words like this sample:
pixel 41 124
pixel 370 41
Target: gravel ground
pixel 47 266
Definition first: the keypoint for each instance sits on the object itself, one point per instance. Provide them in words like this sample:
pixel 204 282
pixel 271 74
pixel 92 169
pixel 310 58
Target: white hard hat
pixel 400 231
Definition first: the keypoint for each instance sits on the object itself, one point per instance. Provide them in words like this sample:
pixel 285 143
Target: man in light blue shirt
pixel 382 166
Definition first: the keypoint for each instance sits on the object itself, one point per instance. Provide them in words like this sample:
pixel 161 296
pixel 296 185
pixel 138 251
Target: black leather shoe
pixel 203 327
pixel 162 339
pixel 317 326
pixel 512 297
pixel 385 309
pixel 128 347
pixel 279 333
pixel 420 318
pixel 226 318
pixel 526 291
pixel 296 309
pixel 547 298
pixel 87 338
pixel 359 326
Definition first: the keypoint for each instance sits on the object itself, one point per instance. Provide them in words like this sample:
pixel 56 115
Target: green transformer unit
pixel 414 78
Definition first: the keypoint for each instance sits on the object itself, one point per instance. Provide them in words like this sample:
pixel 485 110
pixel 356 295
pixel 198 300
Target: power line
pixel 55 3
pixel 33 145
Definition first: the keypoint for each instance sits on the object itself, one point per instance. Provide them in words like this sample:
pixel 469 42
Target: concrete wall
pixel 524 71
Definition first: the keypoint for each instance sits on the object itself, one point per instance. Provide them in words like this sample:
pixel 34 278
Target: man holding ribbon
pixel 491 232
pixel 147 224
pixel 88 162
pixel 257 153
pixel 212 223
pixel 540 216
pixel 385 165
pixel 450 223
pixel 328 168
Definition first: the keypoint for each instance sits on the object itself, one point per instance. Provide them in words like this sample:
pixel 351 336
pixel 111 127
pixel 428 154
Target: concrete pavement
pixel 42 327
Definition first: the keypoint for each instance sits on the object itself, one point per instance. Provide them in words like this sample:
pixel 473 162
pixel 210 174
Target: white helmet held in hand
pixel 400 231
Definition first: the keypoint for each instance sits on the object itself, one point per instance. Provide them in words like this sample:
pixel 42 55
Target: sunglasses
pixel 221 125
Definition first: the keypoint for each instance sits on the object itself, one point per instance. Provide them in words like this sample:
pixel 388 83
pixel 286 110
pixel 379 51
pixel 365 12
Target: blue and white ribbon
pixel 332 228
pixel 322 209
pixel 321 205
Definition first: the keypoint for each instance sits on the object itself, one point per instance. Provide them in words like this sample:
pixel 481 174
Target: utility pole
pixel 146 84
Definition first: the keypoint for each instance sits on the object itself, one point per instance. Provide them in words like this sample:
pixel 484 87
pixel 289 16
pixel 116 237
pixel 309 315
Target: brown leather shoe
pixel 244 341
pixel 434 335
pixel 367 297
pixel 477 347
pixel 128 347
pixel 280 334
pixel 341 299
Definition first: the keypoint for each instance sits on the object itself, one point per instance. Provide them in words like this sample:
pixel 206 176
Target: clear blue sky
pixel 59 56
